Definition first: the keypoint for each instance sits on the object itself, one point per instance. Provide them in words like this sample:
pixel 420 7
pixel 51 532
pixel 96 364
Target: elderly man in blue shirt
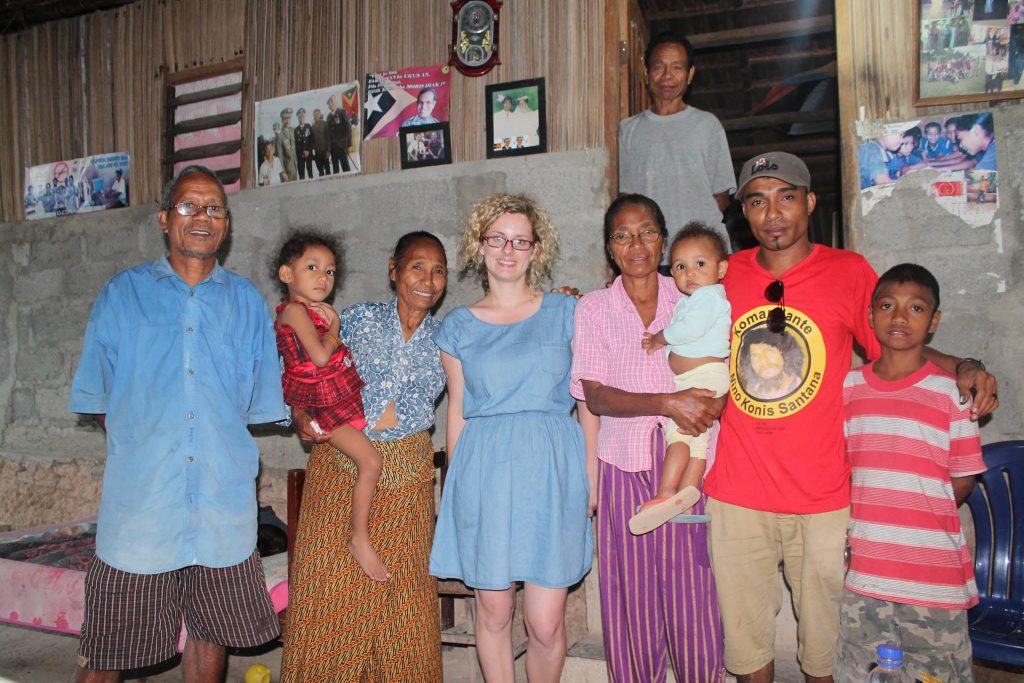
pixel 179 357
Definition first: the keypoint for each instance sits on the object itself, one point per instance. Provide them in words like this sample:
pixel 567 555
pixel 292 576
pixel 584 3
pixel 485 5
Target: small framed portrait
pixel 426 145
pixel 516 118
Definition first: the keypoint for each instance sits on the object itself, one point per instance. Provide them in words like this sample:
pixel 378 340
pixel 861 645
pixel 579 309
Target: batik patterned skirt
pixel 341 625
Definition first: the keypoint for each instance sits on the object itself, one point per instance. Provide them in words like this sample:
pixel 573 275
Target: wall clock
pixel 474 48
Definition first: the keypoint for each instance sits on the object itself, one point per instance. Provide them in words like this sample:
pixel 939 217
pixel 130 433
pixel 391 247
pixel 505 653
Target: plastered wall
pixel 50 460
pixel 980 269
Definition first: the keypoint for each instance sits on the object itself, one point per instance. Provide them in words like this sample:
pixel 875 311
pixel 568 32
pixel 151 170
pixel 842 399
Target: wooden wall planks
pixel 94 84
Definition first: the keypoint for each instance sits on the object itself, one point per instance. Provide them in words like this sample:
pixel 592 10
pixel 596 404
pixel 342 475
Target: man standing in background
pixel 675 153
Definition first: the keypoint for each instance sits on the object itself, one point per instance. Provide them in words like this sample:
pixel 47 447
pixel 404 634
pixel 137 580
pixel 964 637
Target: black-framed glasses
pixel 776 293
pixel 646 236
pixel 191 209
pixel 499 241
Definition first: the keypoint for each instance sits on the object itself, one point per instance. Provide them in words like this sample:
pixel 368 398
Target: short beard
pixel 201 255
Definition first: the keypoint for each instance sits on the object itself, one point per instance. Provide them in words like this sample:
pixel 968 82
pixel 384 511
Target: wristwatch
pixel 968 360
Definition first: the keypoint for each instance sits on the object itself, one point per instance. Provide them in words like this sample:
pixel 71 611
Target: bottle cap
pixel 889 654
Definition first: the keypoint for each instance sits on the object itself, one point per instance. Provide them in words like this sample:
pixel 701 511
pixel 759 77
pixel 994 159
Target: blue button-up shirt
pixel 406 373
pixel 179 372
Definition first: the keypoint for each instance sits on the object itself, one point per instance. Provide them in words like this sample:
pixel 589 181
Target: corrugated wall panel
pixel 94 84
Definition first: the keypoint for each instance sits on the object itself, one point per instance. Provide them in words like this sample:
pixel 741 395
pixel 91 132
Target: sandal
pixel 658 511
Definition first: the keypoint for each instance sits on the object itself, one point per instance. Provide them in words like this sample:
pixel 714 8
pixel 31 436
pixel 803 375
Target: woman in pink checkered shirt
pixel 657 590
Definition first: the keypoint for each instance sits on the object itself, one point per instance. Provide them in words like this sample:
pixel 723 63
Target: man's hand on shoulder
pixel 973 380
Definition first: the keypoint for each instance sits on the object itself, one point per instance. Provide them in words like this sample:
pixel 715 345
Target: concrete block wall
pixel 53 269
pixel 980 269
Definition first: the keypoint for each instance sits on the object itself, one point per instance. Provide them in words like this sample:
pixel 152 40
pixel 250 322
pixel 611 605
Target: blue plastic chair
pixel 997 505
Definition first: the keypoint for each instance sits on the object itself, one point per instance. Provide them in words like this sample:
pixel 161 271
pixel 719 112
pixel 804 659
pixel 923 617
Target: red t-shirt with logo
pixel 781 445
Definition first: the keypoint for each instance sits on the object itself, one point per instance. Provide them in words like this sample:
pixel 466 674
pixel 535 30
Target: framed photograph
pixel 307 135
pixel 516 118
pixel 969 50
pixel 426 145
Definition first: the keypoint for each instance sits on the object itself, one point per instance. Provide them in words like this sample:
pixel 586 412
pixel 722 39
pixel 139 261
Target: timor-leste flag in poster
pixel 407 97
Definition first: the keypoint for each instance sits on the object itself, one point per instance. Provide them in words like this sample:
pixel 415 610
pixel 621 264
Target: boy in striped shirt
pixel 913 452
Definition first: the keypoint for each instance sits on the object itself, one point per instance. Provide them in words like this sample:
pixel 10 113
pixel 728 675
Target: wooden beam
pixel 204 151
pixel 229 175
pixel 733 88
pixel 204 123
pixel 797 147
pixel 848 112
pixel 768 120
pixel 766 32
pixel 820 52
pixel 614 96
pixel 203 95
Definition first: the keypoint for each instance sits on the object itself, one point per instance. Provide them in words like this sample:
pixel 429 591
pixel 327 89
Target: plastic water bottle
pixel 890 666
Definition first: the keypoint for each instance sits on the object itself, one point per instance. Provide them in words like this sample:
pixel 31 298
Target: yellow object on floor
pixel 257 673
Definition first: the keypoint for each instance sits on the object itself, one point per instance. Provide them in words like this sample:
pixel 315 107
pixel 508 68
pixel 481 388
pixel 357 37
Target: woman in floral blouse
pixel 343 626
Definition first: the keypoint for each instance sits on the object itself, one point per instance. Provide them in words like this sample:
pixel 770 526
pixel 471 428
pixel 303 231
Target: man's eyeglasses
pixel 499 241
pixel 646 236
pixel 775 293
pixel 212 210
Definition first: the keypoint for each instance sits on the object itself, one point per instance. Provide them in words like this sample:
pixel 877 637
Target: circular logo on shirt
pixel 775 374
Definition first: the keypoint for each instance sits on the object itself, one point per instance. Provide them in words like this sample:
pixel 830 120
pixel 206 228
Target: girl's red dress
pixel 329 394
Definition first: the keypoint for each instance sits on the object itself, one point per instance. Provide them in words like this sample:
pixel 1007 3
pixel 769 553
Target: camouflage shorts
pixel 936 646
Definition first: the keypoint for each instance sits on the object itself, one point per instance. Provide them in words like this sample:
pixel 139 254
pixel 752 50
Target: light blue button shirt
pixel 406 373
pixel 179 372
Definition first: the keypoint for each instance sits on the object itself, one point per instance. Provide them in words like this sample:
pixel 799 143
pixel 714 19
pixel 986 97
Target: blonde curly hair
pixel 490 209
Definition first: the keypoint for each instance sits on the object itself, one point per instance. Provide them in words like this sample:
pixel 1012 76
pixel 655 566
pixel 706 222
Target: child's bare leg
pixel 354 444
pixel 693 474
pixel 677 460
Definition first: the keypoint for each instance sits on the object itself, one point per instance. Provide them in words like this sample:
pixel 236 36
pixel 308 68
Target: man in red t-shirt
pixel 780 485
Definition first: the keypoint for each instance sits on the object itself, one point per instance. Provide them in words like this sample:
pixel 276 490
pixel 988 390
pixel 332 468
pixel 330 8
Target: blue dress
pixel 514 506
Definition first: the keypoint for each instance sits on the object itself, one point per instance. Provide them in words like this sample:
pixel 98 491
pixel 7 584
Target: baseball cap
pixel 781 165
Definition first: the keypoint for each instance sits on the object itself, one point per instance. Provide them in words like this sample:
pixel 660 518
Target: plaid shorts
pixel 134 620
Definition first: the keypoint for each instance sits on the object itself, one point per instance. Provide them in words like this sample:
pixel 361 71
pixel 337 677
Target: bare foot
pixel 368 559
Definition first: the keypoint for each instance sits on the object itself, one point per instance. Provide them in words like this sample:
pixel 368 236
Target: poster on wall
pixel 969 50
pixel 960 147
pixel 408 97
pixel 77 186
pixel 307 135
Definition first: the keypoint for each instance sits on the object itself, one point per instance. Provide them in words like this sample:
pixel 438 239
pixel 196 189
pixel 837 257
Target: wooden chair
pixel 448 591
pixel 997 505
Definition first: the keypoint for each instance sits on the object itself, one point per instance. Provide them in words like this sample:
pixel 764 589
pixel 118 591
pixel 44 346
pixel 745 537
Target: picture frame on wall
pixel 968 51
pixel 426 145
pixel 516 118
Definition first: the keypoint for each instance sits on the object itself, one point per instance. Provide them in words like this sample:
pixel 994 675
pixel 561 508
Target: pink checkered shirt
pixel 606 349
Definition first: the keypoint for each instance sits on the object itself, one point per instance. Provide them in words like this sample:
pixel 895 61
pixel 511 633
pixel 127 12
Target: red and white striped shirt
pixel 906 439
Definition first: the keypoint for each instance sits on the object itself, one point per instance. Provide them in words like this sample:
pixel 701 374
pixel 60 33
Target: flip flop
pixel 658 511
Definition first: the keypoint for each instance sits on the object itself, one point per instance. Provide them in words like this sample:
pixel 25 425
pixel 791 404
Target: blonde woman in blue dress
pixel 515 502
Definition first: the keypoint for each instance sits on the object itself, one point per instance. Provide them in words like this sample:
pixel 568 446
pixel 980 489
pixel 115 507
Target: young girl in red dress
pixel 320 376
